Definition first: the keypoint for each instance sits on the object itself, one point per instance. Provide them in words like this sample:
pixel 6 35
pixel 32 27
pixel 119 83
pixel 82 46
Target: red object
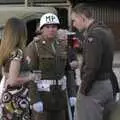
pixel 76 42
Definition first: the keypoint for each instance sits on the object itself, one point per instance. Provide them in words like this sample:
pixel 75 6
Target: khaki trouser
pixel 55 115
pixel 39 116
pixel 55 106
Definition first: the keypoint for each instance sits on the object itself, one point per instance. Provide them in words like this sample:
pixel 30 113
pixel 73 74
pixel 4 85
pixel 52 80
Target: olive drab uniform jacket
pixel 48 57
pixel 97 55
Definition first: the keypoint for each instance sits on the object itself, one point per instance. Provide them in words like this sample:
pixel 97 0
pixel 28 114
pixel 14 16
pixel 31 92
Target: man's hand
pixel 72 101
pixel 38 106
pixel 74 64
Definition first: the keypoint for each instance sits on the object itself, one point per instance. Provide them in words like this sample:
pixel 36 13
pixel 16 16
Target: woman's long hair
pixel 15 36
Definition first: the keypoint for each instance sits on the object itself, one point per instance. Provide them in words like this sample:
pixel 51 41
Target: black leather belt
pixel 103 76
pixel 14 87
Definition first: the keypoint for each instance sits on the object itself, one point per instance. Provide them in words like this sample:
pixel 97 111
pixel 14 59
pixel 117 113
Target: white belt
pixel 44 85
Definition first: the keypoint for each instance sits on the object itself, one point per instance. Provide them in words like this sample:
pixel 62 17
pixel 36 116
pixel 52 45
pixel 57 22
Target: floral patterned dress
pixel 15 100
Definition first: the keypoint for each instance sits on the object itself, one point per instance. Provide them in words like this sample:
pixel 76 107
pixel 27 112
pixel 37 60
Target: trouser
pixel 54 104
pixel 71 83
pixel 50 115
pixel 91 107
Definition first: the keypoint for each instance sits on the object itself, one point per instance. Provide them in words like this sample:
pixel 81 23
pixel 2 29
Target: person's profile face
pixel 50 31
pixel 77 21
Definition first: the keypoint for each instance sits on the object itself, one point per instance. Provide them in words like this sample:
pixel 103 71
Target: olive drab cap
pixel 49 18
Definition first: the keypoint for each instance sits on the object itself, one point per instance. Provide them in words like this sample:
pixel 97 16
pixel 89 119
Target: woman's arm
pixel 14 77
pixel 14 70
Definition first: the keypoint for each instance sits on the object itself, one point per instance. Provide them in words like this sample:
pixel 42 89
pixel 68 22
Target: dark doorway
pixel 31 27
pixel 63 17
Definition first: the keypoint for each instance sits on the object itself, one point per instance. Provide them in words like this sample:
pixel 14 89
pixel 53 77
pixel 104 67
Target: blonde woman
pixel 14 101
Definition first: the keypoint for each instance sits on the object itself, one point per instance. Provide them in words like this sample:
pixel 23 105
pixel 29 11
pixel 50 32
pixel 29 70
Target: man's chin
pixel 81 30
pixel 51 37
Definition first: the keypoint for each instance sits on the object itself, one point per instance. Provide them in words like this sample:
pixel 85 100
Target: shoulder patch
pixel 43 42
pixel 90 39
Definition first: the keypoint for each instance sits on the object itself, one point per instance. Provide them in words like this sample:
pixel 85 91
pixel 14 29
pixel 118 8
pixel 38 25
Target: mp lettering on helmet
pixel 50 18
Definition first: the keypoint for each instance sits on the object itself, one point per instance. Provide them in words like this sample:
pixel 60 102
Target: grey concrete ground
pixel 115 115
pixel 116 65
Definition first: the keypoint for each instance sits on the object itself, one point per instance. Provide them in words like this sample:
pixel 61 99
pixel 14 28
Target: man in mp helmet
pixel 49 55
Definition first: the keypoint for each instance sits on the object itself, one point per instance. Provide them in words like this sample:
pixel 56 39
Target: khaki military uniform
pixel 50 58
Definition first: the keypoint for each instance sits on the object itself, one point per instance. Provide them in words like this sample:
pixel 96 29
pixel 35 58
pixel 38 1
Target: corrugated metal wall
pixel 107 14
pixel 110 16
pixel 22 1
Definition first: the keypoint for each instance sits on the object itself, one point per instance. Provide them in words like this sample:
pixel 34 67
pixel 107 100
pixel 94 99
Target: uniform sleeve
pixel 92 59
pixel 31 56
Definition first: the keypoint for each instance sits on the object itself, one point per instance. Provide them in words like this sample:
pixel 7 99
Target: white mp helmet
pixel 49 18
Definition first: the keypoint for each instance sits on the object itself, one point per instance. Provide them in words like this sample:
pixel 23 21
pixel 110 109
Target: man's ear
pixel 83 17
pixel 41 30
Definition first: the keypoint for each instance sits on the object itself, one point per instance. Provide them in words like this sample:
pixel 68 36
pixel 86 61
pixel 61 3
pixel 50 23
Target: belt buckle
pixel 44 85
pixel 47 85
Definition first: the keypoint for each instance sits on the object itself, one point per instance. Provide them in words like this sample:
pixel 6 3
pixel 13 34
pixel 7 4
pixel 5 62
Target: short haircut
pixel 82 9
